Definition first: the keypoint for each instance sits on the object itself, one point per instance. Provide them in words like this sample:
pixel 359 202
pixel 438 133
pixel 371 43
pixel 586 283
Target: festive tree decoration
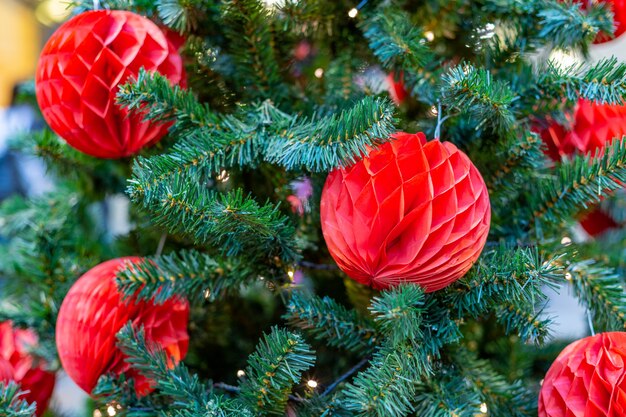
pixel 396 88
pixel 619 18
pixel 79 73
pixel 593 126
pixel 17 364
pixel 587 379
pixel 93 312
pixel 411 211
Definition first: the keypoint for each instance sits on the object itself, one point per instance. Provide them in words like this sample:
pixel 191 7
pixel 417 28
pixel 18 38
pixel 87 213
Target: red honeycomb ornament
pixel 410 211
pixel 587 379
pixel 592 127
pixel 79 73
pixel 17 364
pixel 93 312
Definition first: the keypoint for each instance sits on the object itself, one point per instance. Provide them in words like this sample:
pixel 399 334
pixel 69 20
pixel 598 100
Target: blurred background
pixel 24 27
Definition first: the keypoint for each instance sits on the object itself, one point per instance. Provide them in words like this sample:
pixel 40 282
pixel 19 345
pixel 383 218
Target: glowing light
pixel 111 411
pixel 241 373
pixel 429 36
pixel 51 12
pixel 566 240
pixel 319 73
pixel 563 58
pixel 483 408
pixel 224 176
pixel 207 293
pixel 290 273
pixel 312 383
pixel 97 413
pixel 353 12
pixel 568 276
pixel 434 111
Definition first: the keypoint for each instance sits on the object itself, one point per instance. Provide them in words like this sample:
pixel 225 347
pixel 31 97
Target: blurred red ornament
pixel 397 92
pixel 587 379
pixel 410 211
pixel 22 367
pixel 80 69
pixel 93 312
pixel 593 126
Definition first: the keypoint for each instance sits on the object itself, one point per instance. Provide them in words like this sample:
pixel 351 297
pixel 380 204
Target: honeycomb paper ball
pixel 79 73
pixel 17 364
pixel 93 312
pixel 410 211
pixel 587 379
pixel 592 127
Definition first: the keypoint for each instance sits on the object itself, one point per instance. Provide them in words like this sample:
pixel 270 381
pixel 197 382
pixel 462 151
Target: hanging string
pixel 593 331
pixel 161 245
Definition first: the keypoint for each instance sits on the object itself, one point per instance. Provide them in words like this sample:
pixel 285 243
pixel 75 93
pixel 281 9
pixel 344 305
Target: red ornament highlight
pixel 17 364
pixel 592 127
pixel 79 73
pixel 587 379
pixel 396 88
pixel 410 211
pixel 93 312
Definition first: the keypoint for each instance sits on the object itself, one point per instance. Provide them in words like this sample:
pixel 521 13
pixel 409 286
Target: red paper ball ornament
pixel 17 364
pixel 588 379
pixel 410 211
pixel 396 88
pixel 593 126
pixel 80 70
pixel 93 312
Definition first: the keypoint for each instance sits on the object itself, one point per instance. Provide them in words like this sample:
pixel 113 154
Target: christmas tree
pixel 336 209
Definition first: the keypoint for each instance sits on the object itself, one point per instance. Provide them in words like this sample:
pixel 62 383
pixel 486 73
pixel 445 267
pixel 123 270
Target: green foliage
pixel 188 394
pixel 398 312
pixel 395 41
pixel 567 25
pixel 331 323
pixel 601 290
pixel 501 397
pixel 247 26
pixel 387 387
pixel 579 182
pixel 11 405
pixel 473 90
pixel 273 369
pixel 230 222
pixel 190 274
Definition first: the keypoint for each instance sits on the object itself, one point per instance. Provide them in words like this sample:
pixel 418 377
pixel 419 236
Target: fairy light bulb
pixel 353 12
pixel 241 373
pixel 111 411
pixel 311 383
pixel 430 36
pixel 566 240
pixel 483 408
pixel 319 73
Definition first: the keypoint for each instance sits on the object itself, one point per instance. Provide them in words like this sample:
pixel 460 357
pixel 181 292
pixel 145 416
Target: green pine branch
pixel 246 24
pixel 601 290
pixel 579 183
pixel 273 369
pixel 501 397
pixel 516 157
pixel 331 323
pixel 604 81
pixel 187 393
pixel 568 26
pixel 501 276
pixel 188 274
pixel 387 387
pixel 524 320
pixel 209 142
pixel 474 91
pixel 230 222
pixel 11 405
pixel 445 396
pixel 396 42
pixel 398 313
